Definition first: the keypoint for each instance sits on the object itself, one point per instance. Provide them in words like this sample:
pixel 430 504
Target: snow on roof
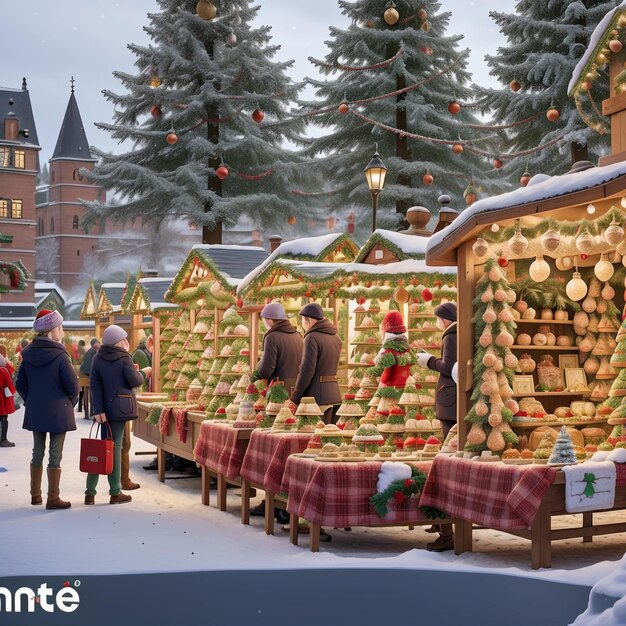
pixel 41 288
pixel 410 244
pixel 549 188
pixel 594 41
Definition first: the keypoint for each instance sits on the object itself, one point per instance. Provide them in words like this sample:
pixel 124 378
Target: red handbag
pixel 96 455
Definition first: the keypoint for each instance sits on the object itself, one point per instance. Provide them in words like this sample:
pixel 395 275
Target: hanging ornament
pixel 553 115
pixel 604 269
pixel 232 39
pixel 503 261
pixel 422 15
pixel 155 81
pixel 427 179
pixel 614 234
pixel 369 24
pixel 539 269
pixel 401 295
pixel 457 148
pixel 425 26
pixel 564 263
pixel 497 163
pixel 550 240
pixel 576 289
pixel 615 45
pixel 454 107
pixel 469 195
pixel 291 220
pixel 601 59
pixel 584 243
pixel 171 138
pixel 258 115
pixel 426 50
pixel 524 180
pixel 515 85
pixel 155 111
pixel 343 107
pixel 427 295
pixel 391 15
pixel 518 244
pixel 222 172
pixel 584 256
pixel 480 247
pixel 495 228
pixel 206 10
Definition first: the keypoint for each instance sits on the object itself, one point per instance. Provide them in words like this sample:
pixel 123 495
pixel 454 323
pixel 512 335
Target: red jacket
pixel 7 404
pixel 396 375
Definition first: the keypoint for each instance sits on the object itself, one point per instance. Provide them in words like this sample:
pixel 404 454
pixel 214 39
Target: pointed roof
pixel 72 142
pixel 17 102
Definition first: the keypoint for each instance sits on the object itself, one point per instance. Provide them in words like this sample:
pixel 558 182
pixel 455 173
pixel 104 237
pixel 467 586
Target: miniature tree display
pixel 368 439
pixel 308 414
pixel 349 413
pixel 544 449
pixel 494 364
pixel 276 397
pixel 563 450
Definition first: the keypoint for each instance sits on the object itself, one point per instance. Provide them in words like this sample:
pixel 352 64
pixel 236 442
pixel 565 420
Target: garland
pixel 595 126
pixel 351 68
pixel 255 177
pixel 313 193
pixel 17 278
pixel 401 490
pixel 513 155
pixel 397 251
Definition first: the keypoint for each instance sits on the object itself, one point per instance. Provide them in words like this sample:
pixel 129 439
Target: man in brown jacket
pixel 318 371
pixel 282 347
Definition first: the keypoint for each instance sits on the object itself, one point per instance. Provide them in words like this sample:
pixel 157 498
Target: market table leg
pixel 269 513
pixel 222 491
pixel 540 539
pixel 587 523
pixel 462 536
pixel 245 501
pixel 161 464
pixel 293 529
pixel 314 530
pixel 206 486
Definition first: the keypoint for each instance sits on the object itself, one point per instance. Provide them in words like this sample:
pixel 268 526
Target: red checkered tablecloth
pixel 337 494
pixel 219 448
pixel 491 494
pixel 267 454
pixel 620 478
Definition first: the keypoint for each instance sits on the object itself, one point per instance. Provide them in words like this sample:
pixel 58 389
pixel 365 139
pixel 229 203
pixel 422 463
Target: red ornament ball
pixel 584 256
pixel 291 220
pixel 221 172
pixel 497 163
pixel 258 116
pixel 502 261
pixel 427 295
pixel 361 300
pixel 422 14
pixel 515 85
pixel 171 138
pixel 454 107
pixel 553 115
pixel 457 148
pixel 427 179
pixel 239 303
pixel 524 180
pixel 155 111
pixel 615 45
pixel 343 107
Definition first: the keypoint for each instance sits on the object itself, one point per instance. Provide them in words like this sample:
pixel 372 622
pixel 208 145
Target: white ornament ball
pixel 614 234
pixel 551 240
pixel 604 269
pixel 539 270
pixel 576 288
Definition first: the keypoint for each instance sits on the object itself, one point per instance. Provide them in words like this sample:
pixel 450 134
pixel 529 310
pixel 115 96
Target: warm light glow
pixel 623 202
pixel 591 209
pixel 495 228
pixel 375 172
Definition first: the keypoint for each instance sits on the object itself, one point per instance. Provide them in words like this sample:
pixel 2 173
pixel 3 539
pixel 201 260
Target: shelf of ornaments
pixel 548 348
pixel 546 322
pixel 552 394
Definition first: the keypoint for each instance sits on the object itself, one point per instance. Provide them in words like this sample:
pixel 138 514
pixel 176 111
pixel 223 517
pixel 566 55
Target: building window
pixel 41 226
pixel 75 222
pixel 76 175
pixel 52 226
pixel 77 252
pixel 19 159
pixel 16 209
pixel 5 156
pixel 4 208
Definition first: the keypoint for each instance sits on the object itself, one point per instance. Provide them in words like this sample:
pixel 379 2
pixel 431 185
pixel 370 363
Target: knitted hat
pixel 113 334
pixel 393 323
pixel 446 311
pixel 46 320
pixel 313 310
pixel 273 311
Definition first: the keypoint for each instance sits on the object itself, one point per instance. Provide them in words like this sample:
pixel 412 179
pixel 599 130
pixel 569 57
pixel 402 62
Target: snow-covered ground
pixel 167 529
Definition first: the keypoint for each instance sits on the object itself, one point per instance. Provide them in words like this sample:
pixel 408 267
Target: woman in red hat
pixel 393 363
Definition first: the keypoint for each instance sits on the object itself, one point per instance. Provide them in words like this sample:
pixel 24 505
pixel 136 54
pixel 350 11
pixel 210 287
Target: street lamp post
pixel 375 173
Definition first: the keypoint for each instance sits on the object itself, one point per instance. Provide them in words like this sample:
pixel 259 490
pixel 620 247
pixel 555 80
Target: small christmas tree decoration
pixel 553 115
pixel 525 179
pixel 154 81
pixel 206 10
pixel 427 179
pixel 457 148
pixel 232 39
pixel 391 15
pixel 604 268
pixel 222 172
pixel 155 111
pixel 584 242
pixel 308 414
pixel 563 451
pixel 425 26
pixel 258 116
pixel 515 85
pixel 171 138
pixel 368 439
pixel 343 107
pixel 454 107
pixel 503 261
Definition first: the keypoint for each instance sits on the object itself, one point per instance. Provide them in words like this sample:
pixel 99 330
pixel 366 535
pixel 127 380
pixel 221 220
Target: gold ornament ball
pixel 553 115
pixel 391 16
pixel 206 10
pixel 422 14
pixel 518 243
pixel 615 45
pixel 171 138
pixel 515 85
pixel 401 295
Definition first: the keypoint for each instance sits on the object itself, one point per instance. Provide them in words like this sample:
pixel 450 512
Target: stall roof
pixel 543 193
pixel 584 66
pixel 233 261
pixel 110 299
pixel 89 309
pixel 149 295
pixel 402 245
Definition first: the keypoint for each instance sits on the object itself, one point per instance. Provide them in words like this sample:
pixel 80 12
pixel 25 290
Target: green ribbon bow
pixel 590 479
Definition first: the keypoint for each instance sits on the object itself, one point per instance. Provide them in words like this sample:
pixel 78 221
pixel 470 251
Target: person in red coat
pixel 393 362
pixel 7 403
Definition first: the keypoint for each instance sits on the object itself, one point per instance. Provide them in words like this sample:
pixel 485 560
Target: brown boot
pixel 54 502
pixel 90 499
pixel 127 483
pixel 35 484
pixel 121 498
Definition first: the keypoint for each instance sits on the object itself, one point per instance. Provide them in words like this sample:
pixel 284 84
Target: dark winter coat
pixel 318 371
pixel 7 404
pixel 445 395
pixel 112 381
pixel 282 354
pixel 85 366
pixel 49 387
pixel 142 356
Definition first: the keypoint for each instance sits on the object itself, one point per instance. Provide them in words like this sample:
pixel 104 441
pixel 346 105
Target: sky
pixel 52 41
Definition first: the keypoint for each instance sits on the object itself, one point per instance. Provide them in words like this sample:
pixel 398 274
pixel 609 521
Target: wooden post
pixel 156 353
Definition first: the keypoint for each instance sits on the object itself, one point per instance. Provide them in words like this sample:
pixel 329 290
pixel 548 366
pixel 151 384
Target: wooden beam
pixel 614 104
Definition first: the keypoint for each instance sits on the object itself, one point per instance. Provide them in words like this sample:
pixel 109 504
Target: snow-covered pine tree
pixel 545 41
pixel 203 85
pixel 373 58
pixel 563 451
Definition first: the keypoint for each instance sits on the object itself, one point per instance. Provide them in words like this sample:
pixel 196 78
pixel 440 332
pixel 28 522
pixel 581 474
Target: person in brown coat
pixel 318 371
pixel 282 347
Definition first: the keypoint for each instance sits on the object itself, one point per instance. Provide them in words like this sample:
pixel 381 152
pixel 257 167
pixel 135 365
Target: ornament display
pixel 206 10
pixel 428 179
pixel 604 268
pixel 515 85
pixel 457 148
pixel 258 116
pixel 171 138
pixel 614 234
pixel 480 247
pixel 155 111
pixel 343 107
pixel 539 269
pixel 222 172
pixel 525 179
pixel 391 15
pixel 550 240
pixel 553 115
pixel 454 107
pixel 576 288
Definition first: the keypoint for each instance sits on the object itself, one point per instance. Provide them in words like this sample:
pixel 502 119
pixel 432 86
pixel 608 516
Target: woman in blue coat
pixel 112 382
pixel 47 383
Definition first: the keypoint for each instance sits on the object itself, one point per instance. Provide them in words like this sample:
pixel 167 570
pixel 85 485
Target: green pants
pixel 115 486
pixel 55 451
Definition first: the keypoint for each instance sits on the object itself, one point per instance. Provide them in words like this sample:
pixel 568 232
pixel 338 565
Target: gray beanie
pixel 113 334
pixel 273 311
pixel 313 310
